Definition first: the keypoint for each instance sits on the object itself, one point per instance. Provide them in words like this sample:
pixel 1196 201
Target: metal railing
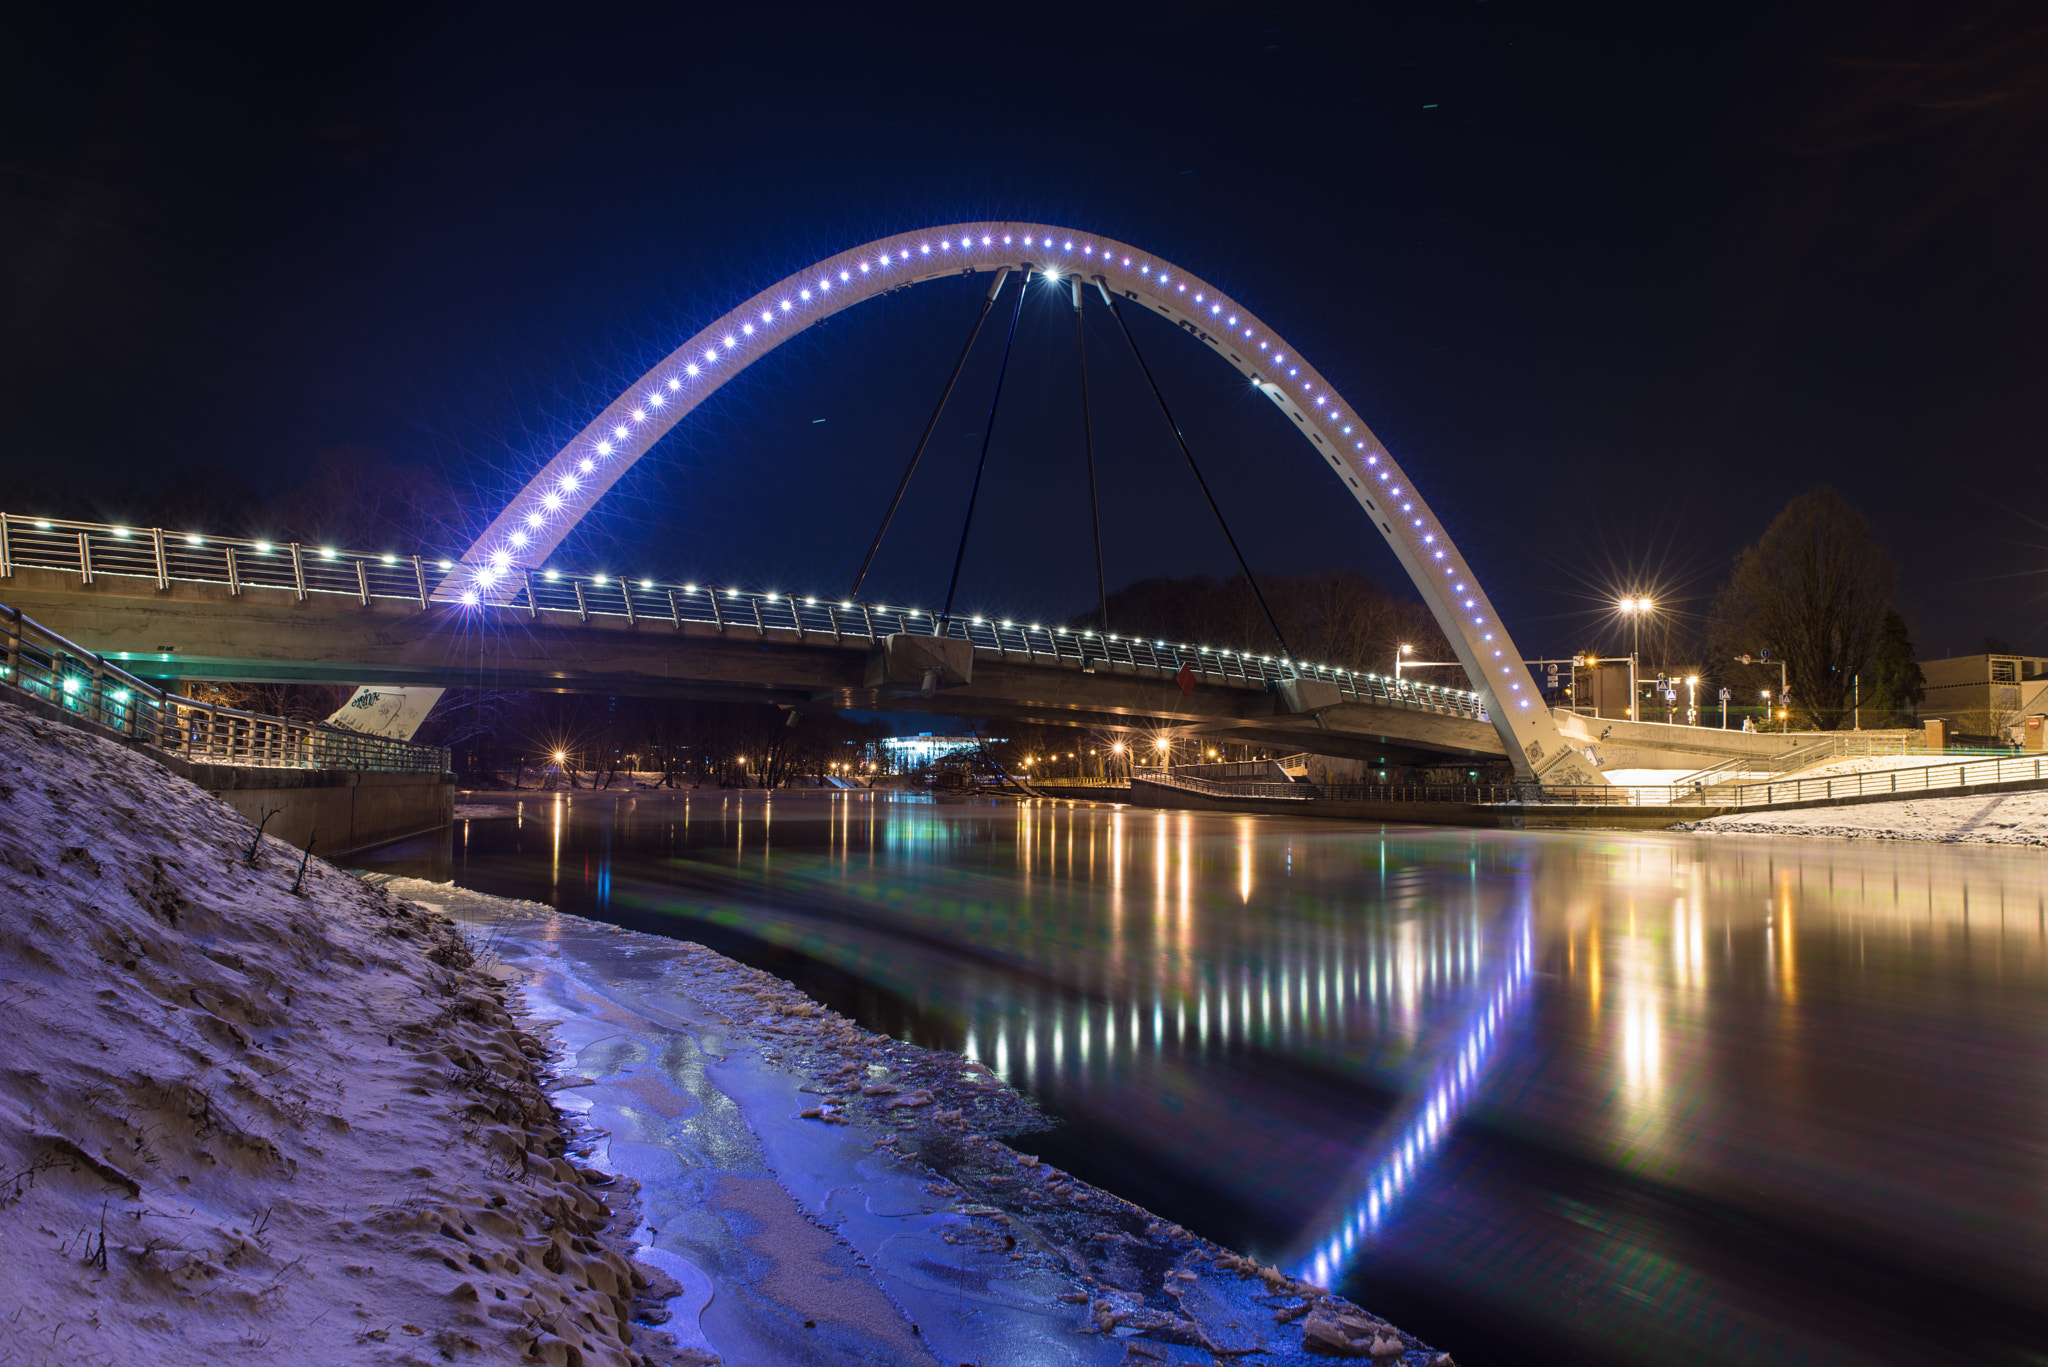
pixel 1830 747
pixel 92 550
pixel 1210 787
pixel 1772 793
pixel 44 665
pixel 1254 770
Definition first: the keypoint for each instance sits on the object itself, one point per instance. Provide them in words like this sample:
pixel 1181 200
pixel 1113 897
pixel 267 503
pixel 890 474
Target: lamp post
pixel 1635 608
pixel 1692 700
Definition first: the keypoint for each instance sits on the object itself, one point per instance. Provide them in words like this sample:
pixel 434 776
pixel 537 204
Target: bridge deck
pixel 200 630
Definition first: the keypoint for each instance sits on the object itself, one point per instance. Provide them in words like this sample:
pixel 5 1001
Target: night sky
pixel 1612 281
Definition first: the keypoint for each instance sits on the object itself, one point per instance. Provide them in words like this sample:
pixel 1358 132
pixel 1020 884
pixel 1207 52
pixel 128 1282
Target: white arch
pixel 556 498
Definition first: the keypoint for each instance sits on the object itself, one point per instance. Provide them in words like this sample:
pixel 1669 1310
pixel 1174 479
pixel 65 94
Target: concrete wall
pixel 337 810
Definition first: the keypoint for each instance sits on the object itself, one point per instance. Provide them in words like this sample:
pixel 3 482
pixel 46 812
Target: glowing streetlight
pixel 1635 608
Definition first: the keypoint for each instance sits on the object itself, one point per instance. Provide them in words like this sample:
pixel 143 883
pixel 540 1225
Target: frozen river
pixel 1538 1098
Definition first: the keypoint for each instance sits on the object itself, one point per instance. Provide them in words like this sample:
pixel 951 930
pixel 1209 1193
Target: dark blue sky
pixel 1613 281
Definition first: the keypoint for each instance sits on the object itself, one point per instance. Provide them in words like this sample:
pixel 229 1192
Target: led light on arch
pixel 604 448
pixel 586 465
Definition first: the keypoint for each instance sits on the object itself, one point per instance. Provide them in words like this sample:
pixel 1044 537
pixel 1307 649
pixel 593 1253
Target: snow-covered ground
pixel 248 1122
pixel 1990 819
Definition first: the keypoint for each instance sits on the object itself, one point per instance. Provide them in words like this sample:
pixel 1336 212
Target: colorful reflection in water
pixel 1541 1098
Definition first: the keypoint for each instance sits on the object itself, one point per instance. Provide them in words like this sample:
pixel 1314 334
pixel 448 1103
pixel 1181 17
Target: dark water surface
pixel 1539 1098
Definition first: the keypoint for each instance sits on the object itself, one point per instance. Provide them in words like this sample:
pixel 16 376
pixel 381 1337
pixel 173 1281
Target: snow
pixel 1878 764
pixel 1989 819
pixel 245 1124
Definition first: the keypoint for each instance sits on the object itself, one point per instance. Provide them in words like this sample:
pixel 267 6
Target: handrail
pixel 97 550
pixel 86 686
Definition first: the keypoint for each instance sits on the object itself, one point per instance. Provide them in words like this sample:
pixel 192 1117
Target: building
pixel 1984 695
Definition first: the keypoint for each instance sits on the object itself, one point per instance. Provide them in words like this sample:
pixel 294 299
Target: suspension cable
pixel 1088 437
pixel 987 431
pixel 930 427
pixel 1167 413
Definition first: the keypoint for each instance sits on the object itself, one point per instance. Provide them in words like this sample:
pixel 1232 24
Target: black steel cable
pixel 1088 437
pixel 1271 621
pixel 930 427
pixel 987 431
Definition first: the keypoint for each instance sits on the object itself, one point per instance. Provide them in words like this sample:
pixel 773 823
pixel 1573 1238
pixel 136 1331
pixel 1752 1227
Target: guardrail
pixel 44 665
pixel 92 550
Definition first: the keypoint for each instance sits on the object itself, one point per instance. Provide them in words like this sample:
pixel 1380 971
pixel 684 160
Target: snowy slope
pixel 240 1124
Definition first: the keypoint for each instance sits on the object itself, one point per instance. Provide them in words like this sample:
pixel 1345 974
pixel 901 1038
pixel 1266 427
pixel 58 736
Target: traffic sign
pixel 1726 695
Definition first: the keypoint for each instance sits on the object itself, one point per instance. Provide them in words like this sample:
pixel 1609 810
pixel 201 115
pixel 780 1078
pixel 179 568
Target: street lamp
pixel 1692 700
pixel 1635 608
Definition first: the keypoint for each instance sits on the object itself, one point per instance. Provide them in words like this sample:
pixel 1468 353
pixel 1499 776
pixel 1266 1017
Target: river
pixel 1537 1097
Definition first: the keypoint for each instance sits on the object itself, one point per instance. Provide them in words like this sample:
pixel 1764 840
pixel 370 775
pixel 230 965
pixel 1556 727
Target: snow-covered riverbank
pixel 1989 819
pixel 248 1119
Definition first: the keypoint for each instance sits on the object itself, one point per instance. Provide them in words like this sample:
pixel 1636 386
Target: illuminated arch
pixel 556 498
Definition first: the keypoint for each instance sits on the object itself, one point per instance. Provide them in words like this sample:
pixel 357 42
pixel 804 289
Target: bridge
pixel 465 621
pixel 195 607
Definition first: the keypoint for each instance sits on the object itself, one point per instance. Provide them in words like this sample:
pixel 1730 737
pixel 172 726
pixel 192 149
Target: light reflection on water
pixel 1642 1098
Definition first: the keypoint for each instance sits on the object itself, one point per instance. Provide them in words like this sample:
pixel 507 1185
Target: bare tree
pixel 1813 591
